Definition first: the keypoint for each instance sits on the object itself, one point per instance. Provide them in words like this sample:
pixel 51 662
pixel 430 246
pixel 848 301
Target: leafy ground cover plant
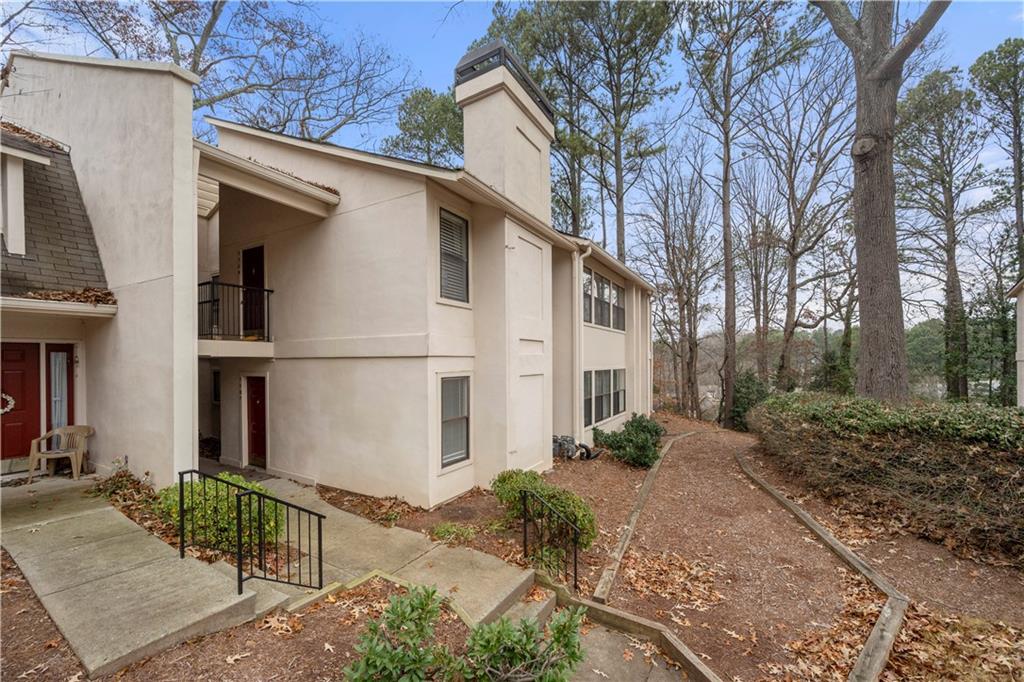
pixel 636 444
pixel 750 392
pixel 453 533
pixel 509 485
pixel 210 513
pixel 952 472
pixel 401 646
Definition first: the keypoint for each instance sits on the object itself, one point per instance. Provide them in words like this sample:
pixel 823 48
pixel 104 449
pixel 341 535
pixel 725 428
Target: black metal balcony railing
pixel 234 312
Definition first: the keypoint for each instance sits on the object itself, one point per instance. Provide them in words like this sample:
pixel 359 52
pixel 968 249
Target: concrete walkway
pixel 116 592
pixel 481 587
pixel 611 655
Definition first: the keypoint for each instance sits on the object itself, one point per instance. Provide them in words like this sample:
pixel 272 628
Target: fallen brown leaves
pixel 689 583
pixel 91 295
pixel 383 510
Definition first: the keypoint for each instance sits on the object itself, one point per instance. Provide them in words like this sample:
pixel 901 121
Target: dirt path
pixel 749 576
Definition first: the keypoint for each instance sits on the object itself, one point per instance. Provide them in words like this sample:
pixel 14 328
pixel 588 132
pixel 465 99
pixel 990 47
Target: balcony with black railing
pixel 231 312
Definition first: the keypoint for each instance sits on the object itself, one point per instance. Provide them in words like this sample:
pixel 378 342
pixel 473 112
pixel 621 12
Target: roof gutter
pixel 528 220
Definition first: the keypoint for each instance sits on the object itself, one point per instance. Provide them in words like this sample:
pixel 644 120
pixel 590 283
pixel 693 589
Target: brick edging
pixel 607 579
pixel 875 653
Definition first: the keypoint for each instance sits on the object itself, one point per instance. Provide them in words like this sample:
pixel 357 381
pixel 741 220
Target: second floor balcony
pixel 233 313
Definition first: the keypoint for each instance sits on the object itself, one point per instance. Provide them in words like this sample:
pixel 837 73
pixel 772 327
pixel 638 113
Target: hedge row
pixel 953 472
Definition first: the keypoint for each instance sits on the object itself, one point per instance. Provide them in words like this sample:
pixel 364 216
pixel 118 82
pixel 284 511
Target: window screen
pixel 454 420
pixel 602 304
pixel 588 294
pixel 454 257
pixel 619 398
pixel 618 307
pixel 588 398
pixel 602 395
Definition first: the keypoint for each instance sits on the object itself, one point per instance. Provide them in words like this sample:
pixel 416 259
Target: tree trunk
pixel 786 380
pixel 1018 192
pixel 620 203
pixel 955 317
pixel 729 332
pixel 882 364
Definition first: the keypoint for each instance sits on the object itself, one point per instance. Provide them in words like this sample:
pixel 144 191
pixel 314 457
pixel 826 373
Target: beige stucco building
pixel 365 322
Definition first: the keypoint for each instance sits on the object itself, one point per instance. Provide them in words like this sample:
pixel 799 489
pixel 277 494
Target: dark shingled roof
pixel 60 249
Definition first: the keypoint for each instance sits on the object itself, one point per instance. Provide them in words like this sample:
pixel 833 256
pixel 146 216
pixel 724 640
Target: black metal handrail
pixel 233 312
pixel 555 539
pixel 237 520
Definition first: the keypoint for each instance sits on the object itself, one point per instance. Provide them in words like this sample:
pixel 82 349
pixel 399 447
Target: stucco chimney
pixel 508 126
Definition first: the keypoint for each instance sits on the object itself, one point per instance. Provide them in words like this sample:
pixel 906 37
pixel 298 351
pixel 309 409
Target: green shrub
pixel 400 646
pixel 210 513
pixel 750 391
pixel 453 533
pixel 518 651
pixel 509 485
pixel 636 444
pixel 950 472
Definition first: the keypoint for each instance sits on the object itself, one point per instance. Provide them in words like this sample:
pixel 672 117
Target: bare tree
pixel 728 47
pixel 270 64
pixel 878 61
pixel 761 213
pixel 678 249
pixel 801 123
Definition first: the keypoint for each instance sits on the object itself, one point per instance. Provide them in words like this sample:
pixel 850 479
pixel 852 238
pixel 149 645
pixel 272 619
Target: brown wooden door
pixel 19 382
pixel 256 408
pixel 253 278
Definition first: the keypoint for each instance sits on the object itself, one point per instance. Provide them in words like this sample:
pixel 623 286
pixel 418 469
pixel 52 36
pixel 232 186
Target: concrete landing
pixel 480 586
pixel 605 658
pixel 116 592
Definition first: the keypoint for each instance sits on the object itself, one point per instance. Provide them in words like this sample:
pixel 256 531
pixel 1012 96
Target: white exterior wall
pixel 606 348
pixel 137 183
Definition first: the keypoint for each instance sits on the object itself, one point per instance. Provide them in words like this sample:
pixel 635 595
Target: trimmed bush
pixel 509 485
pixel 210 513
pixel 749 393
pixel 400 646
pixel 950 472
pixel 636 444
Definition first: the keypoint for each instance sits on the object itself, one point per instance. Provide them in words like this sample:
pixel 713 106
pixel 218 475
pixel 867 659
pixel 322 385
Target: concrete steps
pixel 532 608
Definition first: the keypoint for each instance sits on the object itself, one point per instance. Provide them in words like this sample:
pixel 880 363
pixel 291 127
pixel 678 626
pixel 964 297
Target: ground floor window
pixel 619 386
pixel 454 420
pixel 604 395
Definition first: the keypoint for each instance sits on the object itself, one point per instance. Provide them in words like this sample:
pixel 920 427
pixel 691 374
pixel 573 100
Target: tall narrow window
pixel 454 257
pixel 454 420
pixel 215 386
pixel 588 294
pixel 618 307
pixel 602 395
pixel 619 388
pixel 602 306
pixel 588 398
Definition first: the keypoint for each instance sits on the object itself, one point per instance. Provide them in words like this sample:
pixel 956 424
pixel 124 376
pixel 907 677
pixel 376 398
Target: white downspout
pixel 578 329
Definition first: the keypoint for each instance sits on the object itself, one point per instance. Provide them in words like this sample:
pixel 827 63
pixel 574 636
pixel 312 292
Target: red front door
pixel 256 408
pixel 20 387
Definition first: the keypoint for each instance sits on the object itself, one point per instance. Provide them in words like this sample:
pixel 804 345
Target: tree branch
pixel 843 23
pixel 893 60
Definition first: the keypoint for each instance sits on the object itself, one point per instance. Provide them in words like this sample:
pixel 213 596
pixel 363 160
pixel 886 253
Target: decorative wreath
pixel 8 403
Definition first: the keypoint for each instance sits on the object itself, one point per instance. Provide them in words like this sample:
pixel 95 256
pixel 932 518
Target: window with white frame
pixel 454 420
pixel 454 257
pixel 604 395
pixel 618 307
pixel 588 294
pixel 602 302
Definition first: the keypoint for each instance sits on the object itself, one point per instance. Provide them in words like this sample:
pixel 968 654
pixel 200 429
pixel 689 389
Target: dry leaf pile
pixel 383 510
pixel 91 295
pixel 691 584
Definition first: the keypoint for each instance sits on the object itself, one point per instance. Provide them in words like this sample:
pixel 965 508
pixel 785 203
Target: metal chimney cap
pixel 490 56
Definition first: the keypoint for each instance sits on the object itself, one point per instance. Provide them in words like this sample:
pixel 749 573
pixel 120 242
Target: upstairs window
pixel 618 307
pixel 602 306
pixel 588 294
pixel 454 257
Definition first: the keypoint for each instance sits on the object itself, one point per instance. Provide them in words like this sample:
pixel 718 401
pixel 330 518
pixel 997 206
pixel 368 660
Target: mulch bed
pixel 716 559
pixel 609 486
pixel 315 644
